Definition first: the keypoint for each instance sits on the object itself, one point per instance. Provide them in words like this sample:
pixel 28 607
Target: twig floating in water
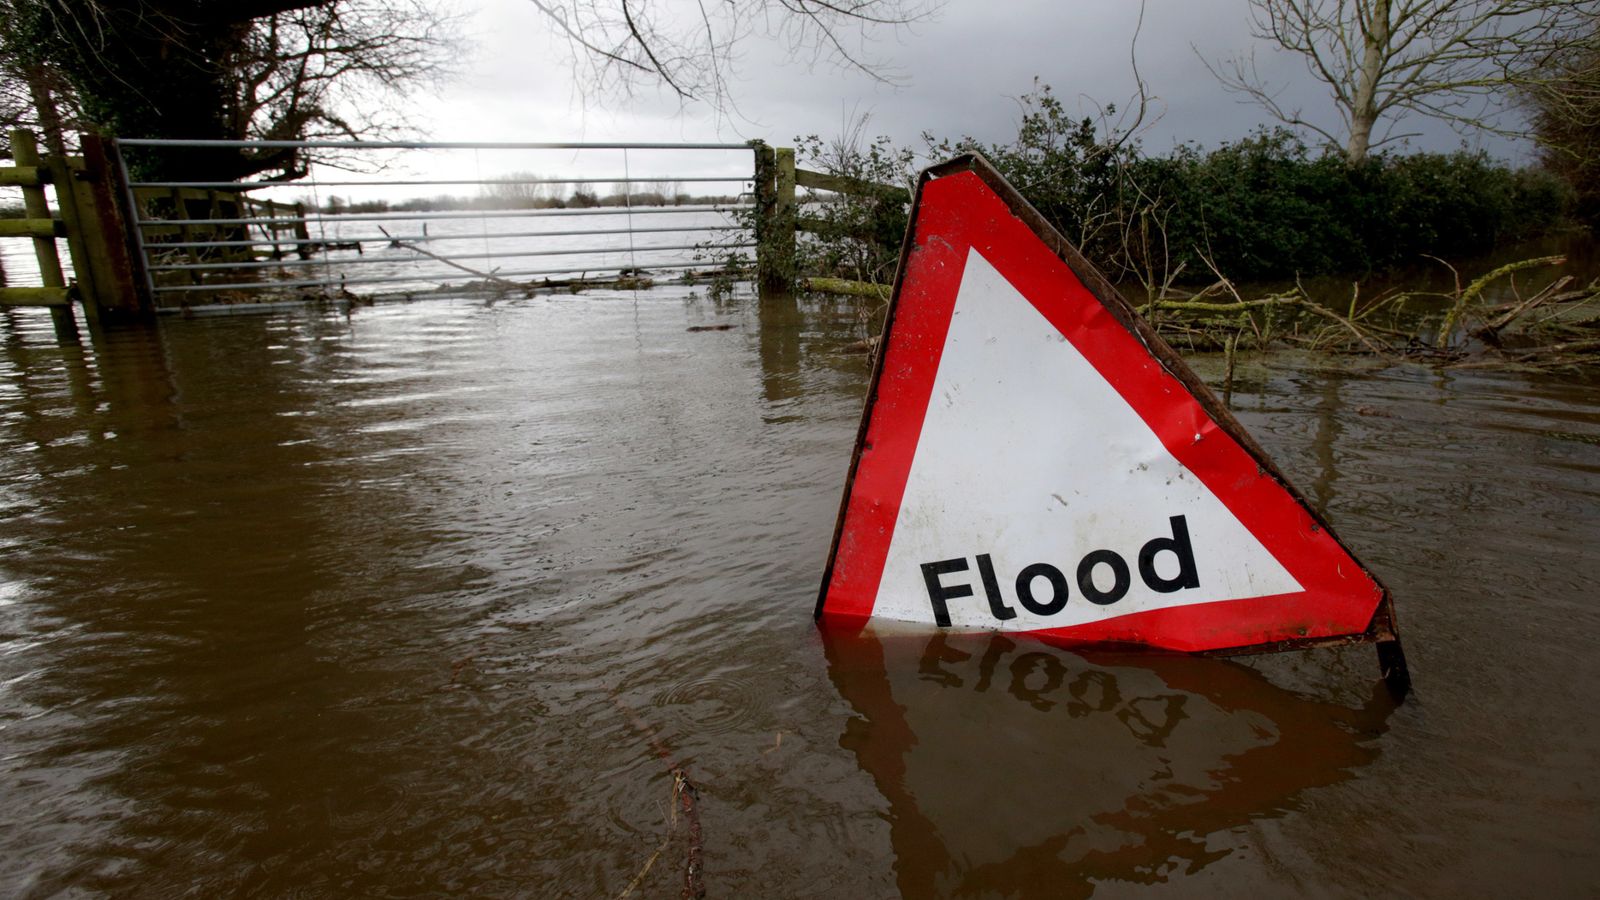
pixel 687 798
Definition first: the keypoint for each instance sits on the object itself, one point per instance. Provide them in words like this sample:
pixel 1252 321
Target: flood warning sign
pixel 1034 458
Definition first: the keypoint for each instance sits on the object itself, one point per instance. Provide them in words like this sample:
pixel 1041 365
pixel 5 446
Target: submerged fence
pixel 387 217
pixel 674 207
pixel 42 228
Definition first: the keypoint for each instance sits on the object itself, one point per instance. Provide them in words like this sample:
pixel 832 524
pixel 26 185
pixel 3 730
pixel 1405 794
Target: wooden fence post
pixel 25 151
pixel 768 271
pixel 301 232
pixel 784 211
pixel 272 214
pixel 64 174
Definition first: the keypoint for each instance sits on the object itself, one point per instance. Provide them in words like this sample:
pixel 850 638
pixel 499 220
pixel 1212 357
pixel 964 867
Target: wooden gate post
pixel 106 239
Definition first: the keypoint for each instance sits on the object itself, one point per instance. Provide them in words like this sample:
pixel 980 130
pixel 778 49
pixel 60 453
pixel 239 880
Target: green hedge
pixel 1264 207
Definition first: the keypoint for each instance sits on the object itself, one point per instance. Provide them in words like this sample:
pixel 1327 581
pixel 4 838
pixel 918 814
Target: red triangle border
pixel 965 205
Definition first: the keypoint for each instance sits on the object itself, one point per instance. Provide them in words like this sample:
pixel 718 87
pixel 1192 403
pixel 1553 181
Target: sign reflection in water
pixel 1018 768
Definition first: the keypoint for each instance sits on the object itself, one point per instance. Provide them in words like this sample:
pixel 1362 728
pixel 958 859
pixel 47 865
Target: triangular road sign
pixel 1034 458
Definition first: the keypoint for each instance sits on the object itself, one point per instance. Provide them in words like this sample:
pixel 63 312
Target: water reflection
pixel 1016 768
pixel 779 348
pixel 179 553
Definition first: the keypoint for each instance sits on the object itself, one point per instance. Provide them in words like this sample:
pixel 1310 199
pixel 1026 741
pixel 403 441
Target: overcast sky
pixel 959 72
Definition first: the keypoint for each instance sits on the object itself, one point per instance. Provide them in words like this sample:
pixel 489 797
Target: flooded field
pixel 430 599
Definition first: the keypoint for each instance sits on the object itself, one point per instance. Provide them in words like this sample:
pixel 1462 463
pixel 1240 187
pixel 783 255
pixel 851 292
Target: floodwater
pixel 431 599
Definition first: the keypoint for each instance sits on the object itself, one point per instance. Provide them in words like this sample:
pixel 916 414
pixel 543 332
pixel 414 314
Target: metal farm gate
pixel 453 216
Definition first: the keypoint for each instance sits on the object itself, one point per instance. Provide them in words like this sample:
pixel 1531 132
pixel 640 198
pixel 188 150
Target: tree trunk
pixel 44 103
pixel 1377 32
pixel 1355 150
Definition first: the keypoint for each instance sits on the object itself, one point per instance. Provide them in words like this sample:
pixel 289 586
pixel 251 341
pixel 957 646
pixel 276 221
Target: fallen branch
pixel 686 797
pixel 1477 287
pixel 1569 347
pixel 1489 332
pixel 486 276
pixel 846 287
pixel 1238 306
pixel 1354 329
pixel 694 881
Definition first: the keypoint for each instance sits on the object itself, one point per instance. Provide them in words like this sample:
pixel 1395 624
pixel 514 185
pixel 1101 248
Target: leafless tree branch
pixel 1461 61
pixel 691 48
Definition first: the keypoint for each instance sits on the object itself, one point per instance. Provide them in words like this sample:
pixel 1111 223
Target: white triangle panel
pixel 1044 478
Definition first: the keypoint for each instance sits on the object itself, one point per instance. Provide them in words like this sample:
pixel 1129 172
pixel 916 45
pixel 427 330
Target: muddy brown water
pixel 427 600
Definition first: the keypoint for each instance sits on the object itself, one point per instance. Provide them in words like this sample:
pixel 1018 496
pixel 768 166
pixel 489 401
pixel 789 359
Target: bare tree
pixel 690 46
pixel 1455 60
pixel 337 69
pixel 1564 106
pixel 34 90
pixel 278 69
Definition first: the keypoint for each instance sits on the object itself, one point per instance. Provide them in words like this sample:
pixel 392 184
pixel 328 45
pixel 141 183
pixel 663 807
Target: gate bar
pixel 362 260
pixel 489 214
pixel 326 282
pixel 252 185
pixel 424 145
pixel 437 238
